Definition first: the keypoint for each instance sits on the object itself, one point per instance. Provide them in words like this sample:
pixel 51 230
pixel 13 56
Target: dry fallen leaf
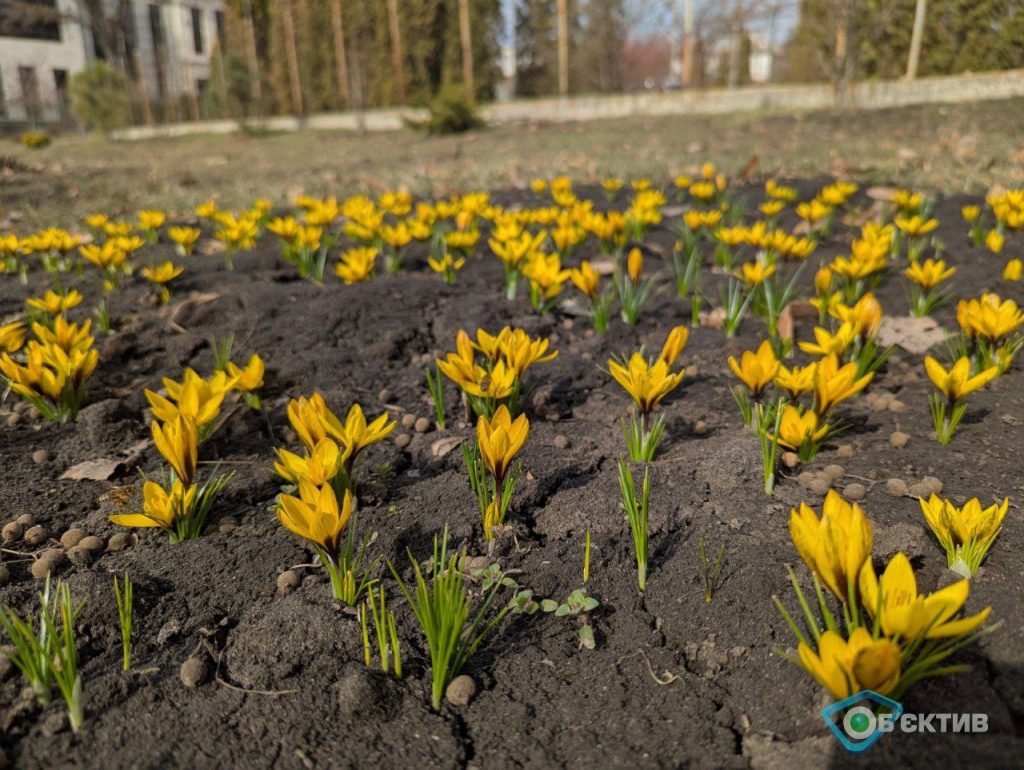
pixel 443 446
pixel 94 470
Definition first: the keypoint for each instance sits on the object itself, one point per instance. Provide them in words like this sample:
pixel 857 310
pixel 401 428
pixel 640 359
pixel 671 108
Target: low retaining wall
pixel 877 94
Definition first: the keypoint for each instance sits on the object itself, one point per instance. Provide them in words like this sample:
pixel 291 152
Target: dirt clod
pixel 36 535
pixel 790 459
pixel 896 487
pixel 899 439
pixel 560 442
pixel 40 456
pixel 845 451
pixel 119 541
pixel 5 575
pixel 72 537
pixel 12 531
pixel 287 582
pixel 194 671
pixel 91 544
pixel 422 425
pixel 460 691
pixel 854 491
pixel 834 472
pixel 26 520
pixel 932 484
pixel 402 440
pixel 408 420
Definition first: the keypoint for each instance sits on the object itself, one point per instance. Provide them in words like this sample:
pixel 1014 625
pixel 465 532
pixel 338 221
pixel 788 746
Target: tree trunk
pixel 292 56
pixel 396 50
pixel 465 36
pixel 253 60
pixel 688 63
pixel 915 39
pixel 340 58
pixel 563 48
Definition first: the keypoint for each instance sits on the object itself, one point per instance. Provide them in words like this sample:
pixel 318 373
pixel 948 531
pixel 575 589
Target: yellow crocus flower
pixel 994 241
pixel 151 220
pixel 844 667
pixel 645 383
pixel 965 533
pixel 796 381
pixel 755 273
pixel 865 315
pixel 159 508
pixel 989 317
pixel 674 344
pixel 957 383
pixel 586 279
pixel 834 546
pixel 12 336
pixel 1013 270
pixel 829 343
pixel 319 467
pixel 314 515
pixel 500 439
pixel 356 434
pixel 178 442
pixel 53 303
pixel 193 397
pixel 162 274
pixel 908 615
pixel 796 430
pixel 834 384
pixel 356 265
pixel 308 418
pixel 756 370
pixel 930 273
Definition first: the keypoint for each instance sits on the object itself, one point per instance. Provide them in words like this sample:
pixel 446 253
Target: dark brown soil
pixel 673 681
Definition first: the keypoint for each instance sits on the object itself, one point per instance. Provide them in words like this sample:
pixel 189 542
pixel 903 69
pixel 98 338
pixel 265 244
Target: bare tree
pixel 915 39
pixel 340 58
pixel 466 39
pixel 396 49
pixel 563 48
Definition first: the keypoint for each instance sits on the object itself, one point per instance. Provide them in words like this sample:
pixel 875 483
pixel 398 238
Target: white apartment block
pixel 173 38
pixel 36 61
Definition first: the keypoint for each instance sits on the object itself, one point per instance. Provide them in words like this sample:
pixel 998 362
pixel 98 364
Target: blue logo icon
pixel 855 721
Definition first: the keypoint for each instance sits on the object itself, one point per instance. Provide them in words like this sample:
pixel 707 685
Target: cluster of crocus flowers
pixel 515 247
pixel 490 370
pixel 547 278
pixel 647 382
pixel 51 370
pixel 179 505
pixel 868 258
pixel 989 325
pixel 966 533
pixel 236 233
pixel 949 404
pixel 492 474
pixel 894 635
pixel 323 476
pixel 356 264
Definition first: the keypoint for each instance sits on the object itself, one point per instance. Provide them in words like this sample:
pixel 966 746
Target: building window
pixel 30 92
pixel 197 30
pixel 33 19
pixel 60 82
pixel 218 17
pixel 3 102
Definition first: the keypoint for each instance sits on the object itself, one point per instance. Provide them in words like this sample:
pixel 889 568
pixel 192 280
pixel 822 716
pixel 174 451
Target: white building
pixel 38 55
pixel 175 39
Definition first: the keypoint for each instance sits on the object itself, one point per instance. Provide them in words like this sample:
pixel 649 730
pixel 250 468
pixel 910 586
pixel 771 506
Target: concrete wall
pixel 868 95
pixel 43 56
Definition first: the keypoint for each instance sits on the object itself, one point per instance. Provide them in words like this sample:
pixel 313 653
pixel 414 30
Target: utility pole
pixel 465 35
pixel 340 59
pixel 688 44
pixel 915 39
pixel 292 55
pixel 396 49
pixel 563 48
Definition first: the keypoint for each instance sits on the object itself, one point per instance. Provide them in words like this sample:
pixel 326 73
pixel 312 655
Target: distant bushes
pixel 451 112
pixel 34 140
pixel 99 98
